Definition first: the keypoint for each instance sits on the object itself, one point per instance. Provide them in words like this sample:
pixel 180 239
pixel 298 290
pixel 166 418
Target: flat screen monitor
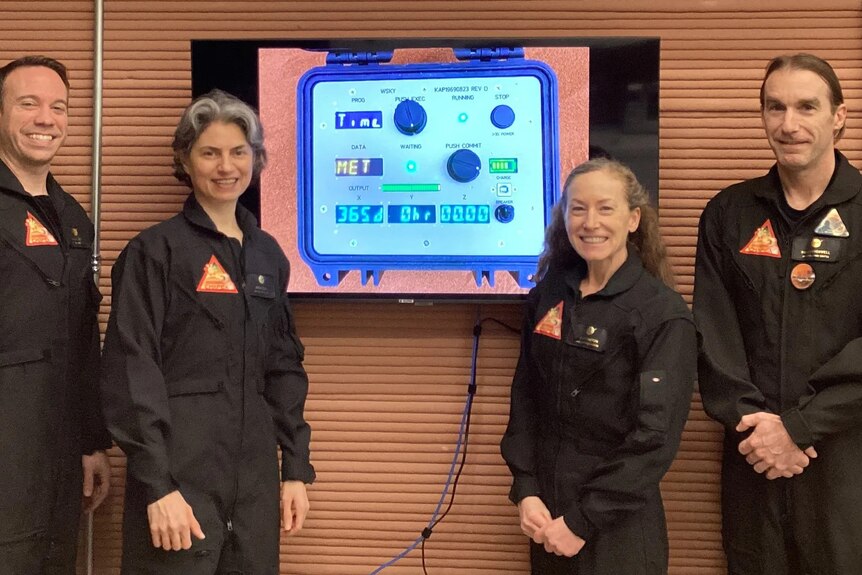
pixel 426 170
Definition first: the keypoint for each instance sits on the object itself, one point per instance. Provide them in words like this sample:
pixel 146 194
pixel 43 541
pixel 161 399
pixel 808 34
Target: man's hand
pixel 770 449
pixel 172 523
pixel 97 479
pixel 534 516
pixel 294 506
pixel 559 539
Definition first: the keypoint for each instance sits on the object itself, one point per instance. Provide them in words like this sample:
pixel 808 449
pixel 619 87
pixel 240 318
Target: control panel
pixel 448 166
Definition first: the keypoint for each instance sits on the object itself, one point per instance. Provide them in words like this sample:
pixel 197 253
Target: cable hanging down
pixel 460 452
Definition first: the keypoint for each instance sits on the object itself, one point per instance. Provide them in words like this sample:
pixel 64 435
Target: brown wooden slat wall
pixel 388 382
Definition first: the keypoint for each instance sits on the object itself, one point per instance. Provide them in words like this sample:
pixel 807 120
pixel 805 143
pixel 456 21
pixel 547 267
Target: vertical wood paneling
pixel 388 382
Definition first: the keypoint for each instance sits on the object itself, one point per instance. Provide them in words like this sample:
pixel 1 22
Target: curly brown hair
pixel 559 253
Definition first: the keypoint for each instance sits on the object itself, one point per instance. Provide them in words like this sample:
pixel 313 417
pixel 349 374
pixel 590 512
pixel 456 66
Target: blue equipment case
pixel 426 166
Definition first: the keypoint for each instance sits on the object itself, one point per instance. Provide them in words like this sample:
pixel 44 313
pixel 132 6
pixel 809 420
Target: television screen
pixel 427 169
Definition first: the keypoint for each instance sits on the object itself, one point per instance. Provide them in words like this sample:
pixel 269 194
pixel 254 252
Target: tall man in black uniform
pixel 52 438
pixel 778 279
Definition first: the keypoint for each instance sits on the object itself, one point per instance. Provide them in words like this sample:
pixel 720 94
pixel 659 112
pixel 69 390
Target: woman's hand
pixel 559 539
pixel 534 516
pixel 294 506
pixel 172 523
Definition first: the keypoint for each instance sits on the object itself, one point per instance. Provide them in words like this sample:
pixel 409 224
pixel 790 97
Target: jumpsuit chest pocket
pixel 194 386
pixel 589 350
pixel 595 373
pixel 262 294
pixel 195 344
pixel 582 370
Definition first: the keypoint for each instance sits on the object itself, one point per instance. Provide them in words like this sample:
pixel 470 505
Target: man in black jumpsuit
pixel 52 438
pixel 778 279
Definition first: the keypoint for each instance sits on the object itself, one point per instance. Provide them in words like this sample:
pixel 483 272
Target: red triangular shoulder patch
pixel 37 233
pixel 216 279
pixel 552 324
pixel 763 242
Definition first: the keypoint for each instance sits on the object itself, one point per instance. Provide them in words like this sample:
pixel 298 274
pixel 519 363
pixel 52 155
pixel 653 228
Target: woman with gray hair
pixel 202 377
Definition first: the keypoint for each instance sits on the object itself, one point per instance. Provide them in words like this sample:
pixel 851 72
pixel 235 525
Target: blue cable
pixel 464 418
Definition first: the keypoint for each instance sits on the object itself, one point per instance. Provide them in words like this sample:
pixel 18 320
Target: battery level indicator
pixel 503 165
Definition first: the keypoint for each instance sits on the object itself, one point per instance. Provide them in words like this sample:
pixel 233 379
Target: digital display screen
pixel 359 166
pixel 503 165
pixel 465 214
pixel 409 214
pixel 359 214
pixel 338 222
pixel 358 120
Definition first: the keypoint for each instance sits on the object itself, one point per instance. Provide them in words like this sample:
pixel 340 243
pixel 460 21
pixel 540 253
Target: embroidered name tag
pixel 818 249
pixel 261 285
pixel 590 337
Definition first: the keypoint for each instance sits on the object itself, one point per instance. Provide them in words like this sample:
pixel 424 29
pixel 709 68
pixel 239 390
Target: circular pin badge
pixel 802 276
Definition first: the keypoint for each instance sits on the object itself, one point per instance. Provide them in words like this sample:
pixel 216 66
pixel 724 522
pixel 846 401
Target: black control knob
pixel 504 213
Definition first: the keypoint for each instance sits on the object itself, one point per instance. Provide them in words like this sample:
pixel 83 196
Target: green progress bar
pixel 410 187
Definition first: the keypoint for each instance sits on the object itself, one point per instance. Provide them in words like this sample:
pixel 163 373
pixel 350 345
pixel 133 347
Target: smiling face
pixel 220 164
pixel 599 220
pixel 33 119
pixel 799 120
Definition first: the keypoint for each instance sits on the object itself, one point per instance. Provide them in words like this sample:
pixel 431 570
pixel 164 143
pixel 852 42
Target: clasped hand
pixel 554 534
pixel 770 449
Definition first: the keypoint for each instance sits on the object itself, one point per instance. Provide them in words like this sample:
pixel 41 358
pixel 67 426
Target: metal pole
pixel 96 194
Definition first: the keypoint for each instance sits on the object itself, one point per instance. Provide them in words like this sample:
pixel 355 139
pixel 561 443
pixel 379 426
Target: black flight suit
pixel 202 381
pixel 49 359
pixel 597 412
pixel 769 346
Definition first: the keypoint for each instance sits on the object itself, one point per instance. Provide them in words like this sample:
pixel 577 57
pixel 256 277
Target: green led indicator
pixel 503 165
pixel 462 117
pixel 411 166
pixel 410 187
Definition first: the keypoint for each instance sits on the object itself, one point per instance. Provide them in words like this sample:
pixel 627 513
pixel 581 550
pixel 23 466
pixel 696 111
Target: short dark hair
pixel 32 62
pixel 811 63
pixel 216 106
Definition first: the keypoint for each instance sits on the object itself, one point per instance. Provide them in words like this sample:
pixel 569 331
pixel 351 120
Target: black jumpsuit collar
pixel 195 214
pixel 842 187
pixel 10 182
pixel 622 280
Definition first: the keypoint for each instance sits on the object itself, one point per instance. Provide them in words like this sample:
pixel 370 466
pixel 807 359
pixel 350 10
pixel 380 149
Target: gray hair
pixel 216 106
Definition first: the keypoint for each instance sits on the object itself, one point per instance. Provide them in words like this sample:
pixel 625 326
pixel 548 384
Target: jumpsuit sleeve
pixel 134 394
pixel 286 387
pixel 94 434
pixel 518 445
pixel 629 476
pixel 723 376
pixel 833 402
